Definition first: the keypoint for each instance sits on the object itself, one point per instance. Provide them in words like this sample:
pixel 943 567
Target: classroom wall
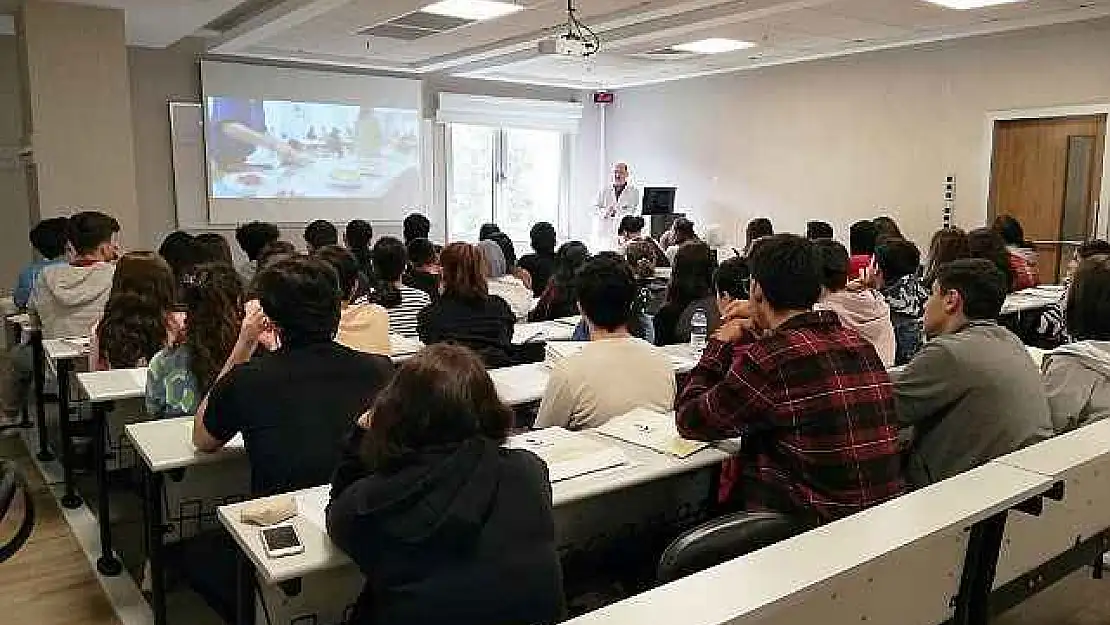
pixel 14 210
pixel 846 139
pixel 80 110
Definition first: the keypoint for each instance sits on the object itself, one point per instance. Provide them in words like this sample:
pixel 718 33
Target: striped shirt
pixel 402 318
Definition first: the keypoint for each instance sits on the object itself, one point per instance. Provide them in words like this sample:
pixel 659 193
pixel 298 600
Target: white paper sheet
pixel 311 505
pixel 569 454
pixel 654 430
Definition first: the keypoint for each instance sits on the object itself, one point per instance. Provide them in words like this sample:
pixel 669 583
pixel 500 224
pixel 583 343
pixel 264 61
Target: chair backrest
pixel 724 539
pixel 12 483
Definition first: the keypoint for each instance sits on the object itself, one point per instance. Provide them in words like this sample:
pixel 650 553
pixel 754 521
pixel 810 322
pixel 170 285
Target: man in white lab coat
pixel 614 202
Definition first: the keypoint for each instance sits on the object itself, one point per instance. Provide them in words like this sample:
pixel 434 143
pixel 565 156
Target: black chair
pixel 724 539
pixel 12 483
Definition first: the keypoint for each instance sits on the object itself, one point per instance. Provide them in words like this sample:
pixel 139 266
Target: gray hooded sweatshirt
pixel 1077 380
pixel 971 396
pixel 68 299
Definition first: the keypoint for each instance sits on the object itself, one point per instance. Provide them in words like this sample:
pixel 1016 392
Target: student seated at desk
pixel 363 327
pixel 503 284
pixel 810 398
pixel 423 272
pixel 558 299
pixel 540 264
pixel 404 303
pixel 446 524
pixel 987 244
pixel 863 310
pixel 615 372
pixel 212 247
pixel 68 298
pixel 139 318
pixel 972 393
pixel 180 375
pixel 320 233
pixel 1051 329
pixel 690 290
pixel 357 236
pixel 862 238
pixel 467 313
pixel 896 274
pixel 1077 375
pixel 179 249
pixel 252 237
pixel 49 239
pixel 294 406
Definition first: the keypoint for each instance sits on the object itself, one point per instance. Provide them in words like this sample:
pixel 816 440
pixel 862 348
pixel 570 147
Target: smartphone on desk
pixel 281 540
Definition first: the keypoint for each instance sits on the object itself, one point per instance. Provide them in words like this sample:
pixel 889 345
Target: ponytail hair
pixel 390 261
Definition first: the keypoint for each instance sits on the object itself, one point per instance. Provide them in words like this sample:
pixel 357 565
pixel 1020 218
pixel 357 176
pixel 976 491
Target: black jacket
pixel 460 534
pixel 486 327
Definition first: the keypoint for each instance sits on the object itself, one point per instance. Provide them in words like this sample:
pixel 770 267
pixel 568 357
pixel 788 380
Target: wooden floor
pixel 49 582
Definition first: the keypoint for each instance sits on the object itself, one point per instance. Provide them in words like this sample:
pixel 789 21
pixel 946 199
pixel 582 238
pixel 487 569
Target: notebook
pixel 569 454
pixel 655 430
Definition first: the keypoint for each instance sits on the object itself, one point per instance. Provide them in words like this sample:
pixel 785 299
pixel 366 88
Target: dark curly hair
pixel 213 298
pixel 134 326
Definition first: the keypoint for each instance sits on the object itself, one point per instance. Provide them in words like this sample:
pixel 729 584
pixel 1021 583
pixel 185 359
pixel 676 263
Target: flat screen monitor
pixel 658 200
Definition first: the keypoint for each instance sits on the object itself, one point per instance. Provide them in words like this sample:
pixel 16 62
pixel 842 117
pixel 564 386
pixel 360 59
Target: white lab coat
pixel 605 227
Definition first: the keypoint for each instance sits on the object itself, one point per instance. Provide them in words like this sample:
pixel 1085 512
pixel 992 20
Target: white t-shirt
pixel 605 380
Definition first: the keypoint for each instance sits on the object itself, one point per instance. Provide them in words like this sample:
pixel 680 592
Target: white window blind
pixel 457 108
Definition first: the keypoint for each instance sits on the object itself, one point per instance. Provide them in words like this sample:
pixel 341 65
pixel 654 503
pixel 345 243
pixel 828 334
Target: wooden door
pixel 1047 173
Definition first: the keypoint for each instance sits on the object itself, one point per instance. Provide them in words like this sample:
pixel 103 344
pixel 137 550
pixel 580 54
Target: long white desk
pixel 102 388
pixel 1070 520
pixel 585 507
pixel 899 562
pixel 165 447
pixel 62 356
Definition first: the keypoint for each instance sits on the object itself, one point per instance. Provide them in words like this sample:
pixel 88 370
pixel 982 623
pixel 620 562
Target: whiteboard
pixel 190 186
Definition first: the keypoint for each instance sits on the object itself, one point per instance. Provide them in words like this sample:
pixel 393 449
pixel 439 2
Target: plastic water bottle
pixel 699 329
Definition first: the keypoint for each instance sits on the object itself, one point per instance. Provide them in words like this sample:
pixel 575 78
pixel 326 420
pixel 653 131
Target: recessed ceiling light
pixel 963 5
pixel 472 9
pixel 713 46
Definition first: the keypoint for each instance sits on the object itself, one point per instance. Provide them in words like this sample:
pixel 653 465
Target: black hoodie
pixel 460 534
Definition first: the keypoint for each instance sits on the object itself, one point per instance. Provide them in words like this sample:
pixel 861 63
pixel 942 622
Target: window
pixel 513 177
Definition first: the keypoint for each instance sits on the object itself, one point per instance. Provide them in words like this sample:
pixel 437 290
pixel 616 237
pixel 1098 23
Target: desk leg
pixel 71 499
pixel 244 590
pixel 152 512
pixel 107 564
pixel 39 368
pixel 973 603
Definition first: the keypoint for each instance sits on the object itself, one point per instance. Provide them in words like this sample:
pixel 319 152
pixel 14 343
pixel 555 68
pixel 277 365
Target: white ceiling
pixel 787 31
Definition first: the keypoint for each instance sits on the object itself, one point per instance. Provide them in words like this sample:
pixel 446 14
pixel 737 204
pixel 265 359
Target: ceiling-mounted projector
pixel 567 45
pixel 575 41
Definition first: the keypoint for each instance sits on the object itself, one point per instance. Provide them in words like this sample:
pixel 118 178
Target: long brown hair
pixel 464 275
pixel 441 396
pixel 135 322
pixel 948 244
pixel 213 297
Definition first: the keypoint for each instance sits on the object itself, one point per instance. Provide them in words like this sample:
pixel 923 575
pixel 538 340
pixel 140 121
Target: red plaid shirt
pixel 815 408
pixel 1024 272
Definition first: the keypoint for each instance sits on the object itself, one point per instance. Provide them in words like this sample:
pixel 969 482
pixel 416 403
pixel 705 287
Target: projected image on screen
pixel 279 149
